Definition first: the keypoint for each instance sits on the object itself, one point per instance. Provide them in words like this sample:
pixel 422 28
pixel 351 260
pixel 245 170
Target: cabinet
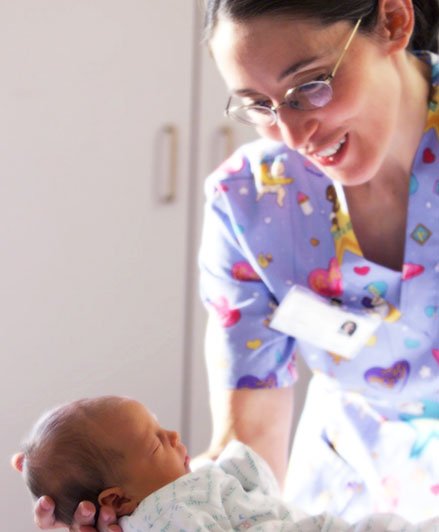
pixel 218 136
pixel 95 112
pixel 106 109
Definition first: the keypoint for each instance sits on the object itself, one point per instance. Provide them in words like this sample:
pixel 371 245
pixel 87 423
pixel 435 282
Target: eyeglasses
pixel 306 97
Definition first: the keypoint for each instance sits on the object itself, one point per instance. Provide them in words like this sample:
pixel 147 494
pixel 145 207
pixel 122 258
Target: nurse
pixel 332 216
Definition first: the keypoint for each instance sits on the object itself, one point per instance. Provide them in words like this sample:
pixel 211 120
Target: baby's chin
pixel 187 464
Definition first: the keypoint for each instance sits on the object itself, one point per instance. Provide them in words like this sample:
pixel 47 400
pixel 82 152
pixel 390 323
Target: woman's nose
pixel 296 127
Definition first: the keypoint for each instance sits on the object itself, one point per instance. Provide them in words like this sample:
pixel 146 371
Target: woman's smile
pixel 331 155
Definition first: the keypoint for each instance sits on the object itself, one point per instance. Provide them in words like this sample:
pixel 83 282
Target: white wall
pixel 98 288
pixel 93 265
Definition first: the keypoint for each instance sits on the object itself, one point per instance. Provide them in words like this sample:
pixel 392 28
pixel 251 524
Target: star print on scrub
pixel 353 453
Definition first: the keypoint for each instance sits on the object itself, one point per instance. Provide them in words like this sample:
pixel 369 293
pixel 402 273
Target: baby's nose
pixel 174 437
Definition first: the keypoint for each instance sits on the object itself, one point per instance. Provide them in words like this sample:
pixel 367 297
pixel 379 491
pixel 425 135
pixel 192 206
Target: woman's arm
pixel 260 418
pixel 243 355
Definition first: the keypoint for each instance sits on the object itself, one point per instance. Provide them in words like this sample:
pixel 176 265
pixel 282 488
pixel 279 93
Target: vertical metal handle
pixel 171 153
pixel 227 142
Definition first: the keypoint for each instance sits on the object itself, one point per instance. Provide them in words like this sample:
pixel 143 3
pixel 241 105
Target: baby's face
pixel 153 456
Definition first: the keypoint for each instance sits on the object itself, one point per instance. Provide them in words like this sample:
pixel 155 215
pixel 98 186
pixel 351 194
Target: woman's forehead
pixel 271 46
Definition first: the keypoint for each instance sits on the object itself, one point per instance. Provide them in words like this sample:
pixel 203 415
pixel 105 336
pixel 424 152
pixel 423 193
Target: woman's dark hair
pixel 62 460
pixel 425 33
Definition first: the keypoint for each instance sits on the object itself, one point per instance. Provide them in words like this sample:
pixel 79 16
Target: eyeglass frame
pixel 274 108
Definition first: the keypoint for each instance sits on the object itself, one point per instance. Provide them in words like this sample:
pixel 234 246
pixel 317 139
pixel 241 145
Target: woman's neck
pixel 415 92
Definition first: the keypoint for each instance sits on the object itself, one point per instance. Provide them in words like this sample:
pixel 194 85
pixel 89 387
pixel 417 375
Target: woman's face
pixel 351 136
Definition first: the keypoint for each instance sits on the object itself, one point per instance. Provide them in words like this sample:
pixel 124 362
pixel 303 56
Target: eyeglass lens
pixel 305 97
pixel 310 96
pixel 263 116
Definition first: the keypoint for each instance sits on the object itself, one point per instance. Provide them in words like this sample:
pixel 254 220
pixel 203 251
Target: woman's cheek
pixel 272 133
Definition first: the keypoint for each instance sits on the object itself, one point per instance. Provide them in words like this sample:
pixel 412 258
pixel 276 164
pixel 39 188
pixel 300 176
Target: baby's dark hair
pixel 64 459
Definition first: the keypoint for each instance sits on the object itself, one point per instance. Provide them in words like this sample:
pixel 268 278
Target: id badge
pixel 323 323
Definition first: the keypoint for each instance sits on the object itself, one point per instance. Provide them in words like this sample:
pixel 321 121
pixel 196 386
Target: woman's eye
pixel 265 103
pixel 312 78
pixel 257 101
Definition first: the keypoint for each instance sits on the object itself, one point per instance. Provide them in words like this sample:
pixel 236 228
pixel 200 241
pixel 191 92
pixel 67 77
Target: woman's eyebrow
pixel 303 63
pixel 244 92
pixel 297 66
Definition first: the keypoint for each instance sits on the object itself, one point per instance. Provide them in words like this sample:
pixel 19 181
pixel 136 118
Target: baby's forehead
pixel 126 413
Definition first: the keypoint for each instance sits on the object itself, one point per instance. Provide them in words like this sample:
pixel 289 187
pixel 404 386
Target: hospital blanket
pixel 238 492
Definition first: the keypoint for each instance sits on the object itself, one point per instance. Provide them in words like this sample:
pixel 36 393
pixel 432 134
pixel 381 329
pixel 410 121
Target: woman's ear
pixel 17 462
pixel 395 23
pixel 115 498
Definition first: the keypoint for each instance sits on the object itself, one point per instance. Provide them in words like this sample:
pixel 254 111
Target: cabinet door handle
pixel 227 142
pixel 171 154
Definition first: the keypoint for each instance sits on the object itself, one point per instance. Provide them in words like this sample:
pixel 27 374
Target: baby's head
pixel 108 450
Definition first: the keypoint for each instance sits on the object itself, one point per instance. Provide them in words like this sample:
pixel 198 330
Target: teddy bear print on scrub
pixel 270 178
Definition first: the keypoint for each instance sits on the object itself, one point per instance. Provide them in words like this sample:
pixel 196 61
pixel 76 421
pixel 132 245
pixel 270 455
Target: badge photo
pixel 324 323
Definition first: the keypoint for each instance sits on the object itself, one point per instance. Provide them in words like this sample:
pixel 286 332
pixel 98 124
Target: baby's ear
pixel 115 498
pixel 17 462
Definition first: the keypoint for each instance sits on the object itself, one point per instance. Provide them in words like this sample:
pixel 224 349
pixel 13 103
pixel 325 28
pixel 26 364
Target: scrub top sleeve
pixel 241 350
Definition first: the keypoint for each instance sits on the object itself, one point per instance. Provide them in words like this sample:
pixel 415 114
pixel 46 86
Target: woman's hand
pixel 83 520
pixel 44 514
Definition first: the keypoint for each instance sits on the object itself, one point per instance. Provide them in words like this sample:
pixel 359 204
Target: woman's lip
pixel 187 461
pixel 331 160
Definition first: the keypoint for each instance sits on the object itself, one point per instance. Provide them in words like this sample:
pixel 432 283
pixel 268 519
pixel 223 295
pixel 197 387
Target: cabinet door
pixel 94 101
pixel 219 137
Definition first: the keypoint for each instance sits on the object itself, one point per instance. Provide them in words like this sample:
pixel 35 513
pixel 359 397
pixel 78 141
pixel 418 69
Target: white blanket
pixel 238 492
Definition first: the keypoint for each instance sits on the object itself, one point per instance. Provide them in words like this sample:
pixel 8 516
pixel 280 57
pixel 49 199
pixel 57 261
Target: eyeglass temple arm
pixel 340 59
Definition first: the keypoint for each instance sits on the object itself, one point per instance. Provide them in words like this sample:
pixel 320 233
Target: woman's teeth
pixel 332 150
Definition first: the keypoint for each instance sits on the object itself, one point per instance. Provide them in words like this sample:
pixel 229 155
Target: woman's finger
pixel 17 462
pixel 111 528
pixel 84 516
pixel 107 520
pixel 44 516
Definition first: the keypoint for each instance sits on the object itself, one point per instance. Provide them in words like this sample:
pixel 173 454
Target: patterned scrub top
pixel 368 438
